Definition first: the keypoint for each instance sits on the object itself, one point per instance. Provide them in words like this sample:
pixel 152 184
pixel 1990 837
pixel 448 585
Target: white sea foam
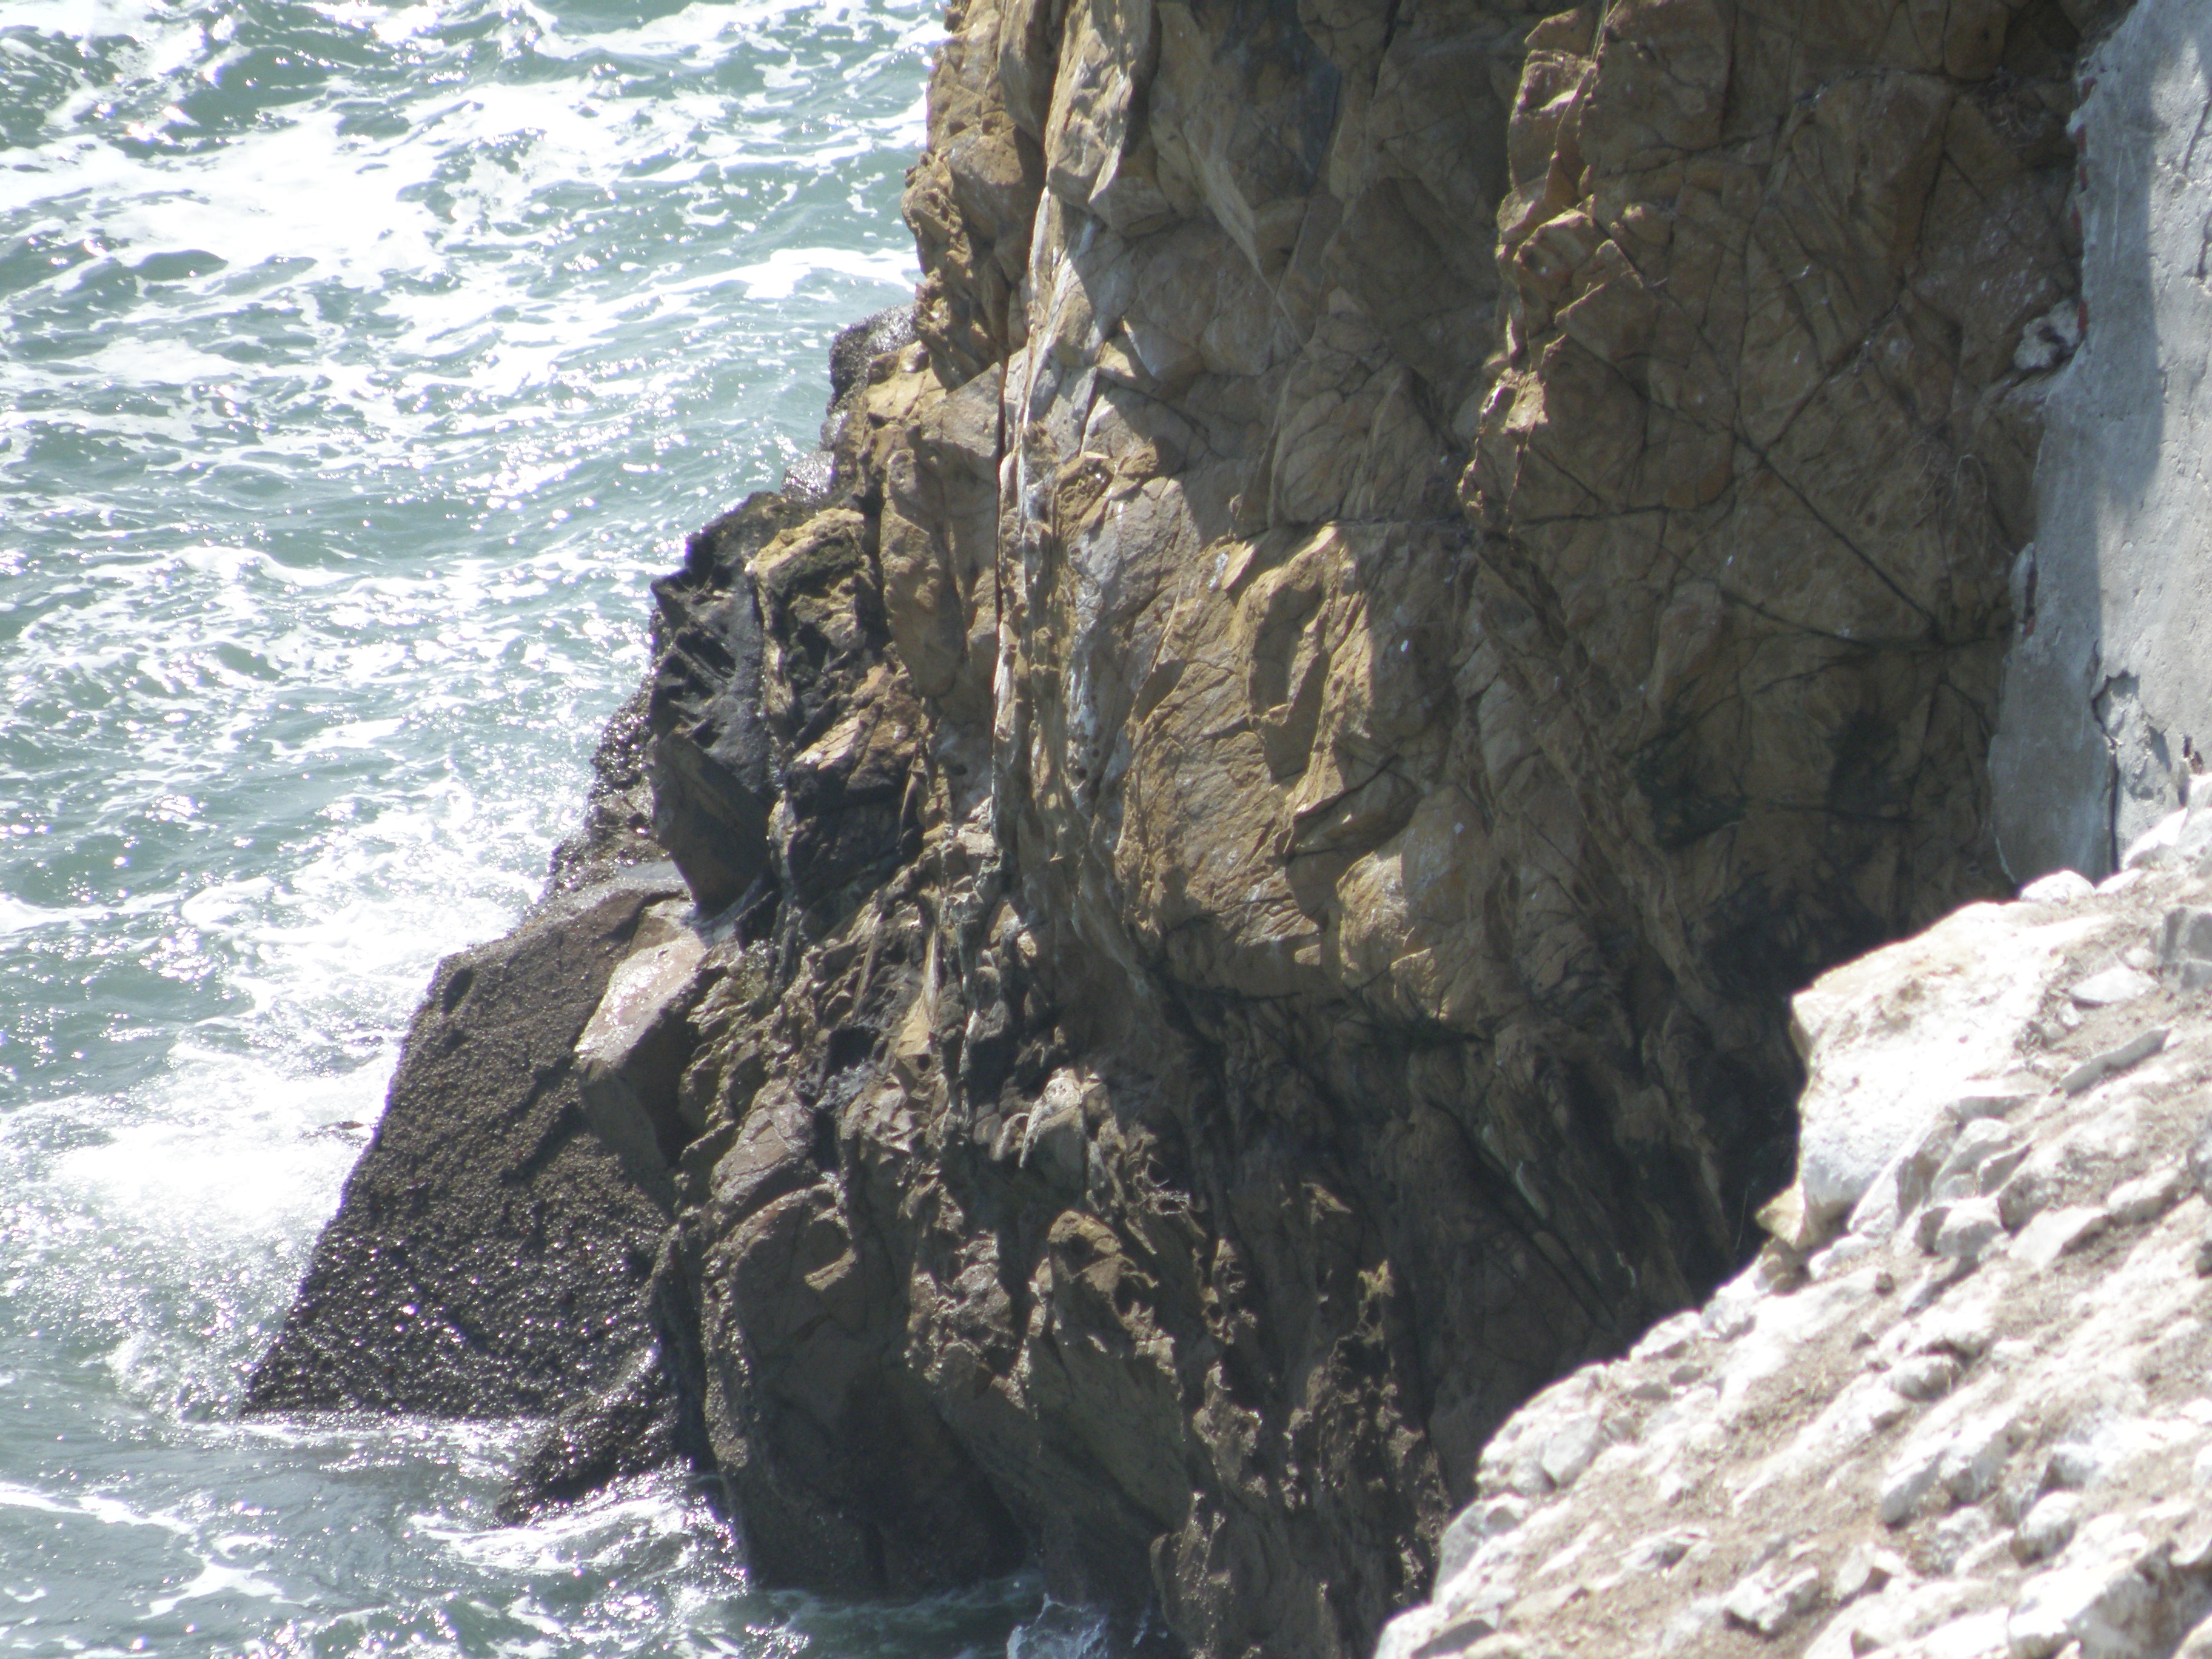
pixel 17 917
pixel 342 424
pixel 597 1532
pixel 233 1173
pixel 215 1579
pixel 13 1497
pixel 778 277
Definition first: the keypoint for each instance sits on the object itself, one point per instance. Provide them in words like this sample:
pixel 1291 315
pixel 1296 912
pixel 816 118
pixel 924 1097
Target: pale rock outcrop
pixel 634 1049
pixel 1890 1040
pixel 1968 1419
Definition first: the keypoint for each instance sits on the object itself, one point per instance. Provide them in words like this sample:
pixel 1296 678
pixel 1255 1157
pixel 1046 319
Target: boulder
pixel 490 1251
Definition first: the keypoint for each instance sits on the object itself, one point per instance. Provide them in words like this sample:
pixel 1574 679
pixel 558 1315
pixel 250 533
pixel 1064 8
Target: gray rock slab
pixel 2112 987
pixel 2104 687
pixel 2095 1069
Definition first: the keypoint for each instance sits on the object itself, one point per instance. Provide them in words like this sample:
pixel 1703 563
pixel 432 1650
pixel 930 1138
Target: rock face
pixel 1254 821
pixel 2105 709
pixel 1965 1415
pixel 1427 567
pixel 490 1252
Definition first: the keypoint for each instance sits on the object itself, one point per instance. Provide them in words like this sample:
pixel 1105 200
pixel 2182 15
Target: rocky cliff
pixel 1418 567
pixel 1957 1410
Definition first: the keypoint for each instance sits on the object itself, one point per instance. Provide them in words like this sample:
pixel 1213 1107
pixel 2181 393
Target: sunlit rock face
pixel 1444 561
pixel 1421 568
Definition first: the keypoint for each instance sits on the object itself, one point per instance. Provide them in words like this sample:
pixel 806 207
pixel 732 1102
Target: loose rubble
pixel 1969 1416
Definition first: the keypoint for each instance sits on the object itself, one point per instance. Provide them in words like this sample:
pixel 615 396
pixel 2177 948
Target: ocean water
pixel 360 364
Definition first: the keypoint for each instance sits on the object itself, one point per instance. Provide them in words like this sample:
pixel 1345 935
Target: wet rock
pixel 649 1414
pixel 490 1251
pixel 617 826
pixel 843 1469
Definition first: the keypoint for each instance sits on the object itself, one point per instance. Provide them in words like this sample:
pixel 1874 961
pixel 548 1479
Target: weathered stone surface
pixel 650 1412
pixel 631 1052
pixel 1426 567
pixel 708 758
pixel 1879 1078
pixel 1894 1445
pixel 1424 575
pixel 617 826
pixel 490 1252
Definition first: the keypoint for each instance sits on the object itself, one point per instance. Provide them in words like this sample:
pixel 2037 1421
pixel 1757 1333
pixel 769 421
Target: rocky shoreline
pixel 1206 902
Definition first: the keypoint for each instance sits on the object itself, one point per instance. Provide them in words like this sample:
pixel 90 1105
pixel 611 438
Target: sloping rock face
pixel 1253 825
pixel 1962 1417
pixel 491 1249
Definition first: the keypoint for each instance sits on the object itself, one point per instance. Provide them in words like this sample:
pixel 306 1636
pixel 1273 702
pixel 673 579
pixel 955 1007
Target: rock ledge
pixel 1967 1417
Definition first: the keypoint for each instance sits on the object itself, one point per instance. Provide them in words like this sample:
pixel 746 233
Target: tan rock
pixel 1431 567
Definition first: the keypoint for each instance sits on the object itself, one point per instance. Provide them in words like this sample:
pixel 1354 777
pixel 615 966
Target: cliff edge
pixel 1251 826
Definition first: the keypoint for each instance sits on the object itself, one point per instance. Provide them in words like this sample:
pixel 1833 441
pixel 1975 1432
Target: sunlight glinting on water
pixel 360 365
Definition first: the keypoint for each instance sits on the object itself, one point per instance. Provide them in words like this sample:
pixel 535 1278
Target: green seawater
pixel 360 365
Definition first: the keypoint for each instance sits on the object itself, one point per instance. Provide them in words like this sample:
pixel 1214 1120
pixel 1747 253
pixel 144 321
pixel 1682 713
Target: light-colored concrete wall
pixel 2112 672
